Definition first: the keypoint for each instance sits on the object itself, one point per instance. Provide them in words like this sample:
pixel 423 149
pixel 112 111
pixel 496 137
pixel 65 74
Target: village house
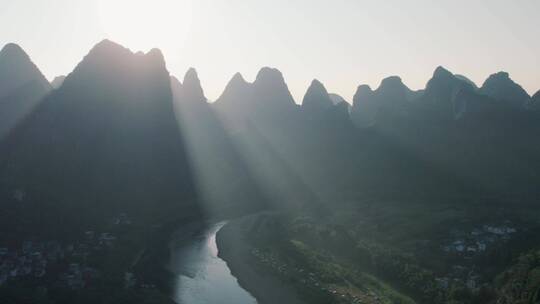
pixel 501 230
pixel 122 219
pixel 443 283
pixel 33 259
pixel 106 238
pixel 459 245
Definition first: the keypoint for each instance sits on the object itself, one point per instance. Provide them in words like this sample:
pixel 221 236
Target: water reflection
pixel 201 276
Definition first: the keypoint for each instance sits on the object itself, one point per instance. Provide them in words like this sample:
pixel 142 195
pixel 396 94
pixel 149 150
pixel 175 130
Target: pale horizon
pixel 343 44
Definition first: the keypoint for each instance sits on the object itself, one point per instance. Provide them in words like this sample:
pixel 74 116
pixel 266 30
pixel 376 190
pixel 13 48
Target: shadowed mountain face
pixel 21 87
pixel 276 138
pixel 392 91
pixel 502 88
pixel 317 98
pixel 266 99
pixel 440 93
pixel 223 182
pixel 268 95
pixel 320 106
pixel 342 107
pixel 127 135
pixel 467 80
pixel 58 81
pixel 336 98
pixel 17 70
pixel 176 87
pixel 443 82
pixel 456 136
pixel 390 99
pixel 237 94
pixel 271 91
pixel 192 91
pixel 535 101
pixel 108 140
pixel 364 107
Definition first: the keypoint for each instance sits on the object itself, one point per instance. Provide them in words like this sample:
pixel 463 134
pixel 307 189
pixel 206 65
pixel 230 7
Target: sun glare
pixel 145 24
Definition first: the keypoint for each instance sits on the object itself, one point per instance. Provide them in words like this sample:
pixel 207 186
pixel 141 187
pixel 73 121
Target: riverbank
pixel 202 277
pixel 153 261
pixel 236 252
pixel 150 265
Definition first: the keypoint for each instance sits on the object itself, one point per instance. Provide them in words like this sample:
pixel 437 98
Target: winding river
pixel 201 276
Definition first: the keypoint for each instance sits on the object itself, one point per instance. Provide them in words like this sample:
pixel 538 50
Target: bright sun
pixel 145 24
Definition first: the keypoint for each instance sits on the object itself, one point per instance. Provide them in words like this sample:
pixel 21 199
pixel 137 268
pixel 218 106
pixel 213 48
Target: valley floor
pixel 234 249
pixel 383 253
pixel 275 276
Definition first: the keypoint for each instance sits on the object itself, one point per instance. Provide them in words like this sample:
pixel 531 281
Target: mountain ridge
pixel 111 127
pixel 501 87
pixel 133 94
pixel 17 70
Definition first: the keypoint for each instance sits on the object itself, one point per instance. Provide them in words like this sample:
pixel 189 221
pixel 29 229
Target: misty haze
pixel 264 152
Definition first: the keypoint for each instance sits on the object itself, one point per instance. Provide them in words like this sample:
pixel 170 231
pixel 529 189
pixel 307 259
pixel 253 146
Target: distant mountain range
pixel 120 132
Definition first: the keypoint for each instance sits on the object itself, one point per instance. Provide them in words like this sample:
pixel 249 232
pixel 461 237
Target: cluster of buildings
pixel 479 239
pixel 30 260
pixel 52 260
pixel 466 245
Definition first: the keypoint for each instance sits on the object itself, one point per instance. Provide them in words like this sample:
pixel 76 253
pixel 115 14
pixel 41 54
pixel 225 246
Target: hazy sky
pixel 343 43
